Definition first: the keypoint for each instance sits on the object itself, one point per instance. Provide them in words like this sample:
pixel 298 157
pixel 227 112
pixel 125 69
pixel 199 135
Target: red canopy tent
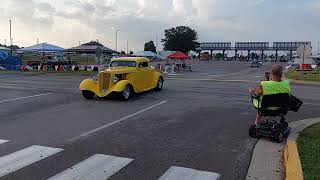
pixel 179 55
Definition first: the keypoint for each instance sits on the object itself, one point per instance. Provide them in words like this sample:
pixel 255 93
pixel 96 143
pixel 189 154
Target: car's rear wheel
pixel 88 94
pixel 126 93
pixel 160 84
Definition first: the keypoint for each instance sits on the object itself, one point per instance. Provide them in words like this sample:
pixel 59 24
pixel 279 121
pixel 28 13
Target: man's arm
pixel 258 91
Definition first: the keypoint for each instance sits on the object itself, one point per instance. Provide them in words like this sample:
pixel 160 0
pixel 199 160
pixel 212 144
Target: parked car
pixel 125 76
pixel 292 67
pixel 256 63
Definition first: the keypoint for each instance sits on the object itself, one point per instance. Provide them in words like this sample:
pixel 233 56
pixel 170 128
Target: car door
pixel 149 76
pixel 142 76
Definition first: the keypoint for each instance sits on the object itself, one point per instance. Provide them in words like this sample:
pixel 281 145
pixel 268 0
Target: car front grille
pixel 104 81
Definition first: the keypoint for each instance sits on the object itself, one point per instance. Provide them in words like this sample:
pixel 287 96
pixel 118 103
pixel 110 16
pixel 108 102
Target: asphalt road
pixel 199 121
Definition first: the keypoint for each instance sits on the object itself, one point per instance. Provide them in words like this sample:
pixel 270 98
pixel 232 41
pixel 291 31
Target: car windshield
pixel 123 64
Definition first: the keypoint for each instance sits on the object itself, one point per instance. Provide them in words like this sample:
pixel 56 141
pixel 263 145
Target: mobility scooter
pixel 273 108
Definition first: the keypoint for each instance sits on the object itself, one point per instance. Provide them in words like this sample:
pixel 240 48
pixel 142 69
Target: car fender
pixel 119 86
pixel 156 78
pixel 89 85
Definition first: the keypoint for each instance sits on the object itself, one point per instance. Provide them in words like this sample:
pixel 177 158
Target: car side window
pixel 143 65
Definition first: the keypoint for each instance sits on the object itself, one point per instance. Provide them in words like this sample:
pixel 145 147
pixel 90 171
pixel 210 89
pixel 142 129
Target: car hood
pixel 121 70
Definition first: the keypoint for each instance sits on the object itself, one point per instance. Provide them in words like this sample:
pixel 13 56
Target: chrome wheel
pixel 126 93
pixel 159 84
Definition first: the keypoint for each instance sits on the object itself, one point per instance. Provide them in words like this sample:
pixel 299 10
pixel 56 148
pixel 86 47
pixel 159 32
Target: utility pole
pixel 37 40
pixel 156 43
pixel 304 50
pixel 10 38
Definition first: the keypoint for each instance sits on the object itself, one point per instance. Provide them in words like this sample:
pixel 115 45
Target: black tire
pixel 127 93
pixel 253 131
pixel 159 84
pixel 88 94
pixel 279 137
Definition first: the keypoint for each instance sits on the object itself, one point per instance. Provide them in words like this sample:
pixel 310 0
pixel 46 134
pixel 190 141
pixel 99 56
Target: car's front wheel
pixel 88 94
pixel 126 93
pixel 160 84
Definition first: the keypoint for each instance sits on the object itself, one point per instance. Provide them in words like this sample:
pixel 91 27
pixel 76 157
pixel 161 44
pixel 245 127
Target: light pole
pixel 117 30
pixel 10 38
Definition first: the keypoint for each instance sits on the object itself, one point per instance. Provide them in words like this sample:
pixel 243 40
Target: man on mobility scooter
pixel 272 100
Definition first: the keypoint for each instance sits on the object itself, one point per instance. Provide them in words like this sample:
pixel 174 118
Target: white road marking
pixel 2 141
pixel 213 75
pixel 25 157
pixel 117 121
pixel 97 167
pixel 313 104
pixel 5 84
pixel 180 173
pixel 213 80
pixel 170 74
pixel 26 97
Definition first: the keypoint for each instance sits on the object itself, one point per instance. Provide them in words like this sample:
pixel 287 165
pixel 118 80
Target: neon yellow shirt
pixel 273 87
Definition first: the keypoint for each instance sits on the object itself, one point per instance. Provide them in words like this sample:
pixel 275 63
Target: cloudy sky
pixel 66 22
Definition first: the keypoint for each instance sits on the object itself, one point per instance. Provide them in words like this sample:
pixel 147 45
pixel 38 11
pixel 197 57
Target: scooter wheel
pixel 253 131
pixel 278 137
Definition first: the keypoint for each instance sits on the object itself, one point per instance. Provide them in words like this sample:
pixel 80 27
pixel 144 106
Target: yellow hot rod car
pixel 125 76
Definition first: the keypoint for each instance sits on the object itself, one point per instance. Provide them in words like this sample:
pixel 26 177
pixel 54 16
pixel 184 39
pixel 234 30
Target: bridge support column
pixel 276 55
pixel 262 54
pixel 290 54
pixel 211 55
pixel 236 54
pixel 223 52
pixel 249 55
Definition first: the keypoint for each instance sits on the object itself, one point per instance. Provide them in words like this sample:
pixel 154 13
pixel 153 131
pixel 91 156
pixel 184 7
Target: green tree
pixel 181 38
pixel 219 56
pixel 149 46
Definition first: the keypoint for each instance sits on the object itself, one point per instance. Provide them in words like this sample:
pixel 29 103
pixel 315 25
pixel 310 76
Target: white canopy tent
pixel 145 54
pixel 42 48
pixel 2 48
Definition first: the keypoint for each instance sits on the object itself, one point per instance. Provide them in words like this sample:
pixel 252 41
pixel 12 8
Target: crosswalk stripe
pixel 2 141
pixel 180 173
pixel 97 167
pixel 25 157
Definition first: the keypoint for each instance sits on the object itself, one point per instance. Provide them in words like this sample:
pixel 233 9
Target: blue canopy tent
pixel 9 62
pixel 42 48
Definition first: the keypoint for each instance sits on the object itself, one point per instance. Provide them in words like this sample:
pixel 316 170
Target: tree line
pixel 180 38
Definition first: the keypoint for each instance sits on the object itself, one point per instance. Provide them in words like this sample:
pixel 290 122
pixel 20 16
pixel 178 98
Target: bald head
pixel 276 71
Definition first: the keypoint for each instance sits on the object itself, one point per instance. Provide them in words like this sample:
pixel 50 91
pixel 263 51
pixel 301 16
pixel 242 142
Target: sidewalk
pixel 267 159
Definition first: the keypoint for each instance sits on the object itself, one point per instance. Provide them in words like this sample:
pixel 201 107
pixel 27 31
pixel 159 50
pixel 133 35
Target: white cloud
pixel 67 21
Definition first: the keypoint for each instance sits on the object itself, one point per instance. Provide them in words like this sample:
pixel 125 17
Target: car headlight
pixel 115 79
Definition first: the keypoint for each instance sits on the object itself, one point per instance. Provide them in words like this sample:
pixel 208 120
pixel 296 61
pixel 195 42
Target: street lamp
pixel 10 38
pixel 117 30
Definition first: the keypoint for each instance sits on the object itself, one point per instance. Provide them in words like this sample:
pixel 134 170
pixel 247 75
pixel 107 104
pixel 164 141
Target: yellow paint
pixel 140 78
pixel 292 161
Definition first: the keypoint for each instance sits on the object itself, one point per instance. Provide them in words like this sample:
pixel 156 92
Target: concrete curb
pixel 268 158
pixel 291 157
